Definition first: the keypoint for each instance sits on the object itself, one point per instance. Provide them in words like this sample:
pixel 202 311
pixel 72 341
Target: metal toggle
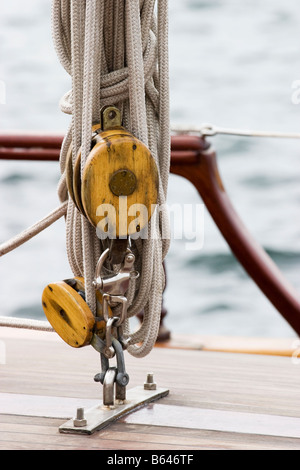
pixel 113 289
pixel 113 378
pixel 116 284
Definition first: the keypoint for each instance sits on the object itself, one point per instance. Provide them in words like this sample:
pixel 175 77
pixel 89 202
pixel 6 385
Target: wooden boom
pixel 193 159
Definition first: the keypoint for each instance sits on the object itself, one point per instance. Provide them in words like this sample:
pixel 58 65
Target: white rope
pixel 209 130
pixel 27 324
pixel 34 230
pixel 118 55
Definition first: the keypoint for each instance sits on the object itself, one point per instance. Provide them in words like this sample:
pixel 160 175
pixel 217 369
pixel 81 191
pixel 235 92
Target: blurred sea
pixel 232 64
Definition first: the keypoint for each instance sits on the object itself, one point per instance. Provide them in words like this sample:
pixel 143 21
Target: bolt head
pixel 149 386
pixel 79 423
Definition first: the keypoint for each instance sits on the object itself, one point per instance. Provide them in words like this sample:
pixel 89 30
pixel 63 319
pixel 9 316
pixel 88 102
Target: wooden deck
pixel 217 400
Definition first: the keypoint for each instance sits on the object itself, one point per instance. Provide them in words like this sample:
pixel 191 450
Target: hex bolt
pixel 80 421
pixel 150 384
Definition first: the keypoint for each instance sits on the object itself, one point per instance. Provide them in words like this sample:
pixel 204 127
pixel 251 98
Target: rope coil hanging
pixel 117 54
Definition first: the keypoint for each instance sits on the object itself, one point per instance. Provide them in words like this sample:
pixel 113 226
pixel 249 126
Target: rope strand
pixel 34 230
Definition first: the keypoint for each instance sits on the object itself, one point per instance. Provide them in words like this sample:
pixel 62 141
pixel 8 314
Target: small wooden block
pixel 68 314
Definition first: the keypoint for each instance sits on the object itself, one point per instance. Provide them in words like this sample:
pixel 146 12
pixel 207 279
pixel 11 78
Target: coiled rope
pixel 117 54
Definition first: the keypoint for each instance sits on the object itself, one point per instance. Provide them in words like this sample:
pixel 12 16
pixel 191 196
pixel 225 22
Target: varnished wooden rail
pixel 200 168
pixel 193 159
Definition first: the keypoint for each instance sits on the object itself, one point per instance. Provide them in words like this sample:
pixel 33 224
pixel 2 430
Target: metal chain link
pixel 113 289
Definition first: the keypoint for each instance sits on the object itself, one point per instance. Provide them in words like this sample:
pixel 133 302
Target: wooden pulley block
pixel 73 175
pixel 118 189
pixel 69 315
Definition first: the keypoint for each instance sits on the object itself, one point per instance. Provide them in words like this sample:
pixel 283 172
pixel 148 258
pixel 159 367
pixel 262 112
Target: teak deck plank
pixel 41 365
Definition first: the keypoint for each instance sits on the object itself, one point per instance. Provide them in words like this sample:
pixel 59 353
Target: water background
pixel 232 64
